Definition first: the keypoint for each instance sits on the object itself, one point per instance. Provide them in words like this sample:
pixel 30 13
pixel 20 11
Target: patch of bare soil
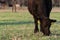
pixel 54 9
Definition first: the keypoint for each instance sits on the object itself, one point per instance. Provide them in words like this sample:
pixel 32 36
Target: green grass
pixel 20 26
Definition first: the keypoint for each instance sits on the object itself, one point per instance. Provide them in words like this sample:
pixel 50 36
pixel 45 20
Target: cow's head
pixel 46 23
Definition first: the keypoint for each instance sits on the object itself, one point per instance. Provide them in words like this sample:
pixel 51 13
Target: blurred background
pixel 9 3
pixel 22 3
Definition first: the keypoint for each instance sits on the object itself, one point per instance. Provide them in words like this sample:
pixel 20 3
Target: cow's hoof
pixel 36 31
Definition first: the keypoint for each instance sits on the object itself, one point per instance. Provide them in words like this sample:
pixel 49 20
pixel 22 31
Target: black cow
pixel 40 10
pixel 3 1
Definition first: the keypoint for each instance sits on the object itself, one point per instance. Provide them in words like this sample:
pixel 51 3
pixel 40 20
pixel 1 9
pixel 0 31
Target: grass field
pixel 20 26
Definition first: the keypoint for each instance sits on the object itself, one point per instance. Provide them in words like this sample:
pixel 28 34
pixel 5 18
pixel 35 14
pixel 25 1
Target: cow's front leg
pixel 40 20
pixel 36 25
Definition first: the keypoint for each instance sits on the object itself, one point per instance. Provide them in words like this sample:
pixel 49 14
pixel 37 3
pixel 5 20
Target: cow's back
pixel 40 7
pixel 34 4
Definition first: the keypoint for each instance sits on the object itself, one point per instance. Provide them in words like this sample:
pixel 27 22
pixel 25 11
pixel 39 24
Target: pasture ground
pixel 20 26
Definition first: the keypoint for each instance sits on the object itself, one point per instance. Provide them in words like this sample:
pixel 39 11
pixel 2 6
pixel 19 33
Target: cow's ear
pixel 52 20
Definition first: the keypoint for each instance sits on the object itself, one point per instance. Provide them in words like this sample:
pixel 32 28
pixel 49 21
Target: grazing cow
pixel 40 10
pixel 3 3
